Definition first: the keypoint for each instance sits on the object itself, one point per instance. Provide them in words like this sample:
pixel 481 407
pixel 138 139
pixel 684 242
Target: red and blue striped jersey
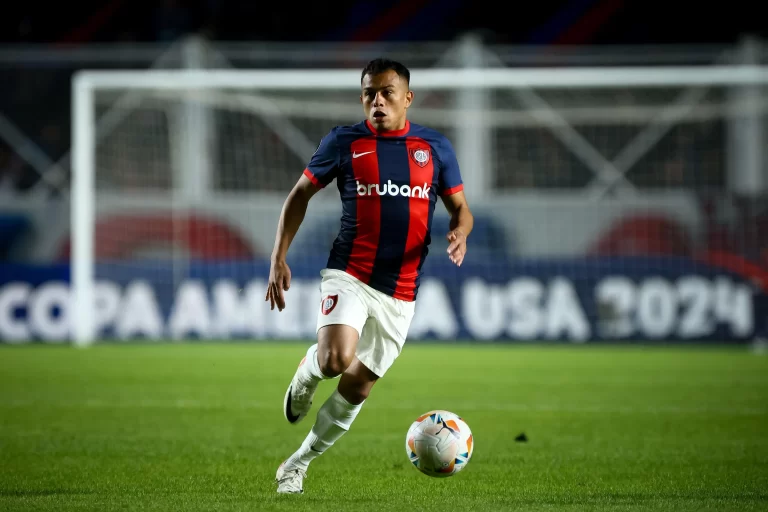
pixel 389 183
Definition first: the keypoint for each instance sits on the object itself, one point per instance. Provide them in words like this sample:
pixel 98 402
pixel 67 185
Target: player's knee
pixel 336 349
pixel 335 360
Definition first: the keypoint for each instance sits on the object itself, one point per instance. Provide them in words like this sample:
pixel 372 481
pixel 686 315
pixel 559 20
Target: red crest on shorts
pixel 420 156
pixel 329 302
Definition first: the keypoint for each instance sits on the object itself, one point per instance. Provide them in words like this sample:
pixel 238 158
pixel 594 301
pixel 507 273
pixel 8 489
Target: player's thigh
pixel 384 335
pixel 340 320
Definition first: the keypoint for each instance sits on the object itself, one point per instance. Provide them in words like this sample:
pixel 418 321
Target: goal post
pixel 83 219
pixel 429 78
pixel 319 96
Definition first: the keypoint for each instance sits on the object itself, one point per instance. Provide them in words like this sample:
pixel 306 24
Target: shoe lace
pixel 302 393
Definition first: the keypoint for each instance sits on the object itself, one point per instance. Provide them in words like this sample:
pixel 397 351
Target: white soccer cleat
pixel 298 397
pixel 290 480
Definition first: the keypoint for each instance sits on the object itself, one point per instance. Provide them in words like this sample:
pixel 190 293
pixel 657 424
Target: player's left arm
pixel 450 187
pixel 462 222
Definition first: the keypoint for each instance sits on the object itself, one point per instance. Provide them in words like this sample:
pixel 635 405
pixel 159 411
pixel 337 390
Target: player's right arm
pixel 322 169
pixel 291 217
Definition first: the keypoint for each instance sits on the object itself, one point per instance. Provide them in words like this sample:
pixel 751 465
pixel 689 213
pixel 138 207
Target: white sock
pixel 309 372
pixel 333 420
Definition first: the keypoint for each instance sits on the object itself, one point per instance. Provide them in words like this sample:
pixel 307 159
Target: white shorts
pixel 381 321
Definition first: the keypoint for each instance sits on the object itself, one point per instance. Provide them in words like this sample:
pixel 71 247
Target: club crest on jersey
pixel 329 302
pixel 420 156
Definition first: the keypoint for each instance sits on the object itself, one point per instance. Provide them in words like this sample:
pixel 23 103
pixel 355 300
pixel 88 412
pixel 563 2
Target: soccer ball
pixel 439 443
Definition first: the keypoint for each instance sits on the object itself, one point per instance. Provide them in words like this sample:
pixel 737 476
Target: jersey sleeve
pixel 449 180
pixel 323 167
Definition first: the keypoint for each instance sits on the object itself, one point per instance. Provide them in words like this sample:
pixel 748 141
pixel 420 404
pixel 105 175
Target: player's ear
pixel 408 99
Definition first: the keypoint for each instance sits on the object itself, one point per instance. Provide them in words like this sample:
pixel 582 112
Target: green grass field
pixel 194 427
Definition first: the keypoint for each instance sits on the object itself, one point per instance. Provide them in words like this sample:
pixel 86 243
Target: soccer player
pixel 389 173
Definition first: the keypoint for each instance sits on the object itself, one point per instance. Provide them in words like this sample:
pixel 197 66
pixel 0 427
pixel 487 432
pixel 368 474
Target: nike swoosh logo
pixel 358 155
pixel 288 413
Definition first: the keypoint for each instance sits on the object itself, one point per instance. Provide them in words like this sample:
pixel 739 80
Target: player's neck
pixel 405 126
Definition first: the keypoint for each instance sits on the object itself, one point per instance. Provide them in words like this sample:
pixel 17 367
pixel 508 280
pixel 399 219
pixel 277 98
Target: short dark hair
pixel 381 65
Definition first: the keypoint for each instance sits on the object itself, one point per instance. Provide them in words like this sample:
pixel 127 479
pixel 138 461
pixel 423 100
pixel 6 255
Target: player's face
pixel 386 99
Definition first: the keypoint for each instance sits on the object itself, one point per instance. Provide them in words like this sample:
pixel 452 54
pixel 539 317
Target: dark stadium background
pixel 594 22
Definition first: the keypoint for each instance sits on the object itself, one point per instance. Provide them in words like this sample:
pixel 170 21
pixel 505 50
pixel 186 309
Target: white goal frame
pixel 86 83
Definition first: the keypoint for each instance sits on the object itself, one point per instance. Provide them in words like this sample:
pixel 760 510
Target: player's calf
pixel 334 418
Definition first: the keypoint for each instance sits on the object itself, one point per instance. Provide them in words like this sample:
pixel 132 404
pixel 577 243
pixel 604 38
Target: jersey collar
pixel 395 133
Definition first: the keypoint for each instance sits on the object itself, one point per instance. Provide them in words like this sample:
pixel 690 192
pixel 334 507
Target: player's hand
pixel 458 246
pixel 279 280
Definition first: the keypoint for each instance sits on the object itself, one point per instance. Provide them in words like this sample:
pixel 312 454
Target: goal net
pixel 597 194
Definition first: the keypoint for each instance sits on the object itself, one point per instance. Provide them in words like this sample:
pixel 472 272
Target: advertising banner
pixel 573 300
